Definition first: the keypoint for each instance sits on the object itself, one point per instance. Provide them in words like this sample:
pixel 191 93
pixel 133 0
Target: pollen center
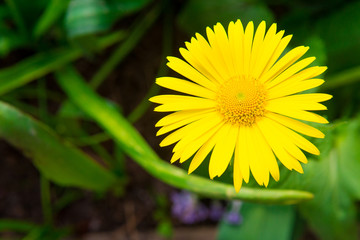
pixel 241 100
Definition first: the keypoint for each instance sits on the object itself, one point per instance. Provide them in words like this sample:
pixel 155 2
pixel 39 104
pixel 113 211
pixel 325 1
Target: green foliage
pixel 58 161
pixel 197 15
pixel 265 222
pixel 54 37
pixel 94 16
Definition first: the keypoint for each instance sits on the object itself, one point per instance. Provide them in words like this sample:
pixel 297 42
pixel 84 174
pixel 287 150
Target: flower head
pixel 240 101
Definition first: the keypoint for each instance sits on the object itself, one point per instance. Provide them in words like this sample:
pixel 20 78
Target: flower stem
pixel 346 77
pixel 46 200
pixel 139 150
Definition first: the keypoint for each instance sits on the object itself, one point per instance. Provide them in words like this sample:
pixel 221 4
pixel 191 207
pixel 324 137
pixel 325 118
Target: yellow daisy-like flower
pixel 241 103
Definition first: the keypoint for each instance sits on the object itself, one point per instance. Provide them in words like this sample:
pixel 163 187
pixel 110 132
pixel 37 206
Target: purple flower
pixel 187 208
pixel 233 216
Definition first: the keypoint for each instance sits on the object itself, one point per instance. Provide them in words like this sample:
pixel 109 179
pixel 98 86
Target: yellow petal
pixel 296 113
pixel 173 103
pixel 195 145
pixel 179 116
pixel 276 53
pixel 185 86
pixel 289 88
pixel 217 55
pixel 305 74
pixel 276 145
pixel 267 156
pixel 240 154
pixel 248 39
pixel 189 72
pixel 283 137
pixel 223 48
pixel 300 141
pixel 291 71
pixel 271 42
pixel 236 38
pixel 284 62
pixel 257 45
pixel 296 125
pixel 237 176
pixel 259 170
pixel 193 129
pixel 223 150
pixel 196 56
pixel 291 103
pixel 183 122
pixel 203 152
pixel 198 129
pixel 315 97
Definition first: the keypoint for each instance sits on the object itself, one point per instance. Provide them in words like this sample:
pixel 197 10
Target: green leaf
pixel 44 63
pixel 136 147
pixel 341 34
pixel 10 41
pixel 197 15
pixel 93 16
pixel 16 225
pixel 52 13
pixel 266 222
pixel 57 161
pixel 348 143
pixel 334 180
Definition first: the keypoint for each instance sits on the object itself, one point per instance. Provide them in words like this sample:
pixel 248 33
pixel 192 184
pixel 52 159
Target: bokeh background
pixel 75 78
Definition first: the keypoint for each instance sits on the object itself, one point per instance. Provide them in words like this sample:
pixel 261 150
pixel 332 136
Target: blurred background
pixel 75 78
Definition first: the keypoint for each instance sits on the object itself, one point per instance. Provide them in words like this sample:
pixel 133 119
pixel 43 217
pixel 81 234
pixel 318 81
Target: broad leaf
pixel 334 180
pixel 59 162
pixel 264 222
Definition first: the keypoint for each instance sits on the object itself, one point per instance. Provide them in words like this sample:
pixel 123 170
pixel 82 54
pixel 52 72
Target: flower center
pixel 241 100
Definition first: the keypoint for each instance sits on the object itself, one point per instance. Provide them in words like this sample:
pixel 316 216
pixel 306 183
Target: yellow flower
pixel 241 103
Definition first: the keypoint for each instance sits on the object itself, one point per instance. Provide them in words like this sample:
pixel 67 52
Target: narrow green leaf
pixel 52 13
pixel 57 161
pixel 136 147
pixel 44 63
pixel 265 222
pixel 16 225
pixel 93 16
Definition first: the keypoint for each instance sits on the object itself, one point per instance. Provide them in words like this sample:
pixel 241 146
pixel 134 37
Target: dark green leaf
pixel 334 180
pixel 58 161
pixel 341 34
pixel 52 13
pixel 93 16
pixel 266 222
pixel 197 15
pixel 44 63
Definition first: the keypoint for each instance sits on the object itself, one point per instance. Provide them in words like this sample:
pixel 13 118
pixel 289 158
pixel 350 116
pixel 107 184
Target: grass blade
pixel 57 161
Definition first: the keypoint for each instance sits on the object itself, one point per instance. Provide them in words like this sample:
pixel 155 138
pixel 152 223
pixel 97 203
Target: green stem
pixel 46 200
pixel 89 140
pixel 346 77
pixel 154 89
pixel 17 17
pixel 125 48
pixel 42 100
pixel 139 150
